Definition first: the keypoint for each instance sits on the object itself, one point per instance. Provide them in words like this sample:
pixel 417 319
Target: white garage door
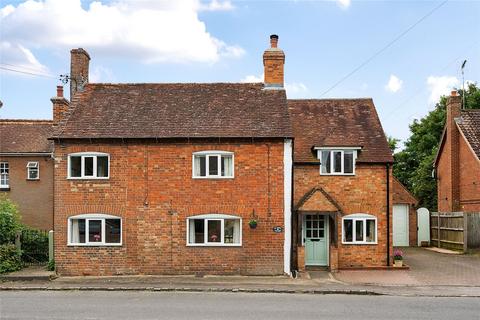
pixel 400 225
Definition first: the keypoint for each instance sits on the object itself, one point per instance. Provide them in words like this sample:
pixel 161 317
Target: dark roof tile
pixel 470 126
pixel 178 110
pixel 29 136
pixel 338 123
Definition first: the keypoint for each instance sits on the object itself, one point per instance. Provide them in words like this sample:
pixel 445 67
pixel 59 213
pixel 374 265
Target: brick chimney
pixel 273 61
pixel 60 106
pixel 79 62
pixel 454 104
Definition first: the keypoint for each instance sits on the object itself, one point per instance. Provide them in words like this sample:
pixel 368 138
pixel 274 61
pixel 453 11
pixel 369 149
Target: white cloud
pixel 216 5
pixel 440 86
pixel 101 74
pixel 17 57
pixel 294 89
pixel 146 30
pixel 252 78
pixel 394 84
pixel 344 4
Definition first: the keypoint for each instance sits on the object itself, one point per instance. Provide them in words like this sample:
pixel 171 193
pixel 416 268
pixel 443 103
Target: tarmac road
pixel 189 305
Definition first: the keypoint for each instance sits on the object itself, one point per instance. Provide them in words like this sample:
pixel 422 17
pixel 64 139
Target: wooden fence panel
pixel 455 230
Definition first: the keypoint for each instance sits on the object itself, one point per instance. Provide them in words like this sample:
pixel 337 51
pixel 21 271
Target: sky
pixel 402 54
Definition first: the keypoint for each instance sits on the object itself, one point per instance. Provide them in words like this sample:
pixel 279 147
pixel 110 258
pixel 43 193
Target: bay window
pixel 214 230
pixel 95 230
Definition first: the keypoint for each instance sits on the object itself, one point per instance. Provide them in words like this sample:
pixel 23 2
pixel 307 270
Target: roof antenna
pixel 463 83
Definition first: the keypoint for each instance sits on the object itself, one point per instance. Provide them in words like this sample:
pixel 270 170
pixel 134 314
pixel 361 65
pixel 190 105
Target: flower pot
pixel 398 263
pixel 253 226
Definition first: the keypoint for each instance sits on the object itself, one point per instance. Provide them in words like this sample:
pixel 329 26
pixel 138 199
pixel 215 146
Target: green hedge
pixel 9 221
pixel 10 258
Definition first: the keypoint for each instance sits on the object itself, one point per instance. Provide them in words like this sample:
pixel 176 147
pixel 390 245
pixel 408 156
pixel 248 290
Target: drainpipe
pixel 294 221
pixel 388 213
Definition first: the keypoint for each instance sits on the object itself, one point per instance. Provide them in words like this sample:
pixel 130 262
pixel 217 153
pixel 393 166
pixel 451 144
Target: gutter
pixel 25 154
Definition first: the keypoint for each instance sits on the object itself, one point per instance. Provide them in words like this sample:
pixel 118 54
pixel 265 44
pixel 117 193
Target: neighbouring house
pixel 404 216
pixel 457 164
pixel 166 178
pixel 26 169
pixel 342 184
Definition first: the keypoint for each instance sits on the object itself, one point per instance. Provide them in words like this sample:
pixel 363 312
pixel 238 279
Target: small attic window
pixel 33 170
pixel 337 161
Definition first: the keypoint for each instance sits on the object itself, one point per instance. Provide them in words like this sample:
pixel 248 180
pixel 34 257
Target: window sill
pixel 213 245
pixel 88 178
pixel 5 188
pixel 94 245
pixel 213 178
pixel 359 243
pixel 338 174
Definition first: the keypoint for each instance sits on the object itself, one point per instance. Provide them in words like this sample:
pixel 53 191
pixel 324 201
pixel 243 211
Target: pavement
pixel 431 274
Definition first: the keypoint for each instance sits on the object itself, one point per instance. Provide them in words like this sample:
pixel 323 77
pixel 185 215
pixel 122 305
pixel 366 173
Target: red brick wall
pixel 154 235
pixel 468 174
pixel 469 179
pixel 33 197
pixel 363 193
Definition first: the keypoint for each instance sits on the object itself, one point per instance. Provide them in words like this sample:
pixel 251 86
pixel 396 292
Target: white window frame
pixel 33 165
pixel 84 155
pixel 214 217
pixel 332 150
pixel 219 154
pixel 87 218
pixel 6 166
pixel 359 217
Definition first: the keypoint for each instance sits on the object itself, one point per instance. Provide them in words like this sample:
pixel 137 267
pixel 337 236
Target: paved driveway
pixel 426 268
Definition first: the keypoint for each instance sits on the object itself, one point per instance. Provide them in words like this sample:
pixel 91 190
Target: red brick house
pixel 457 164
pixel 342 184
pixel 165 178
pixel 404 216
pixel 26 169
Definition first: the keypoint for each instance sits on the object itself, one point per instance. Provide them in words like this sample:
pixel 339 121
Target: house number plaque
pixel 277 229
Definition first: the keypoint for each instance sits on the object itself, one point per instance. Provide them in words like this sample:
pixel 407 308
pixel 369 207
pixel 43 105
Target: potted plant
pixel 397 258
pixel 252 223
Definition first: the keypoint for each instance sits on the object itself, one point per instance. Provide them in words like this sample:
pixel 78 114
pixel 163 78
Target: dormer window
pixel 213 164
pixel 339 161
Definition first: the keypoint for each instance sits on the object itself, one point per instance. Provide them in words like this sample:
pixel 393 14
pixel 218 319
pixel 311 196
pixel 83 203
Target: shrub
pixel 9 221
pixel 51 265
pixel 10 258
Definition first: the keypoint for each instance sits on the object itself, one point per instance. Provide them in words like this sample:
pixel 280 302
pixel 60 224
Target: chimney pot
pixel 273 40
pixel 60 91
pixel 454 93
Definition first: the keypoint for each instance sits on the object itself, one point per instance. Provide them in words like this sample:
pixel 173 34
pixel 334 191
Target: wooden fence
pixel 455 230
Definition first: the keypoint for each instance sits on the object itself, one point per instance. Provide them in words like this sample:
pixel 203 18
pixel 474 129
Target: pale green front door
pixel 316 240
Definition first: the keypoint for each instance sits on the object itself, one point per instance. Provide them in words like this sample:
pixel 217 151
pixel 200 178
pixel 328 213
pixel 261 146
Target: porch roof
pixel 317 199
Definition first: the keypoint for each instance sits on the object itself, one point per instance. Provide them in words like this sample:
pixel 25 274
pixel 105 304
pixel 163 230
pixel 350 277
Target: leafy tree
pixel 393 143
pixel 414 164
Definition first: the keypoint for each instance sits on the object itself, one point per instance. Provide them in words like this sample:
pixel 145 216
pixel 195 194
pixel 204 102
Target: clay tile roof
pixel 401 194
pixel 25 136
pixel 178 110
pixel 470 126
pixel 338 123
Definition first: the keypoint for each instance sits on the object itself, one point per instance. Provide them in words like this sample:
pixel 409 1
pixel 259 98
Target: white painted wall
pixel 287 187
